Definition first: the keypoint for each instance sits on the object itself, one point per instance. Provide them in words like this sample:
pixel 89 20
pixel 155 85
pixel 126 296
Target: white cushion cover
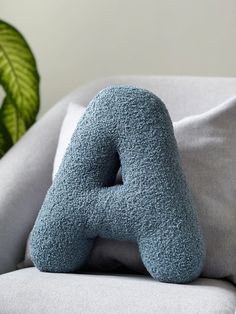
pixel 74 114
pixel 207 145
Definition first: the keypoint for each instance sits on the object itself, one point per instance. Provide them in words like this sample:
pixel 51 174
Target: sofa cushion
pixel 128 127
pixel 208 151
pixel 29 291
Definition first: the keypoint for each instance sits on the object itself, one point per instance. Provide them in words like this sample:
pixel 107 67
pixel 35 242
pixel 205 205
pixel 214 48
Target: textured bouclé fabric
pixel 128 127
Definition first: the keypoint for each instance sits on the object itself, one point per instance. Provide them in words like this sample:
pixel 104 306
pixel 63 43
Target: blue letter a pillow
pixel 128 127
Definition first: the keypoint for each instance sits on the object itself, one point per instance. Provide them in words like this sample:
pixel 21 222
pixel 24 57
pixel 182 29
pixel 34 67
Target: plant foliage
pixel 20 80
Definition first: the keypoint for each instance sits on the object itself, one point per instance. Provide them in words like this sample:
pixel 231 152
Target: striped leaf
pixel 20 80
pixel 12 119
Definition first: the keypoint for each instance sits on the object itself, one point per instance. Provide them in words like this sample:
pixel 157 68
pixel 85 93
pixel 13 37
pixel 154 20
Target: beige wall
pixel 79 40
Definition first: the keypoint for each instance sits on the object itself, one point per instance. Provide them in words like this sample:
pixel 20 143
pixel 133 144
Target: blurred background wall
pixel 75 41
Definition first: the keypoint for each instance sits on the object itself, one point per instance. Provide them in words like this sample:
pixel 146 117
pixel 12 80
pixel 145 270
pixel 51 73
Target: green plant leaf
pixel 12 119
pixel 5 139
pixel 20 80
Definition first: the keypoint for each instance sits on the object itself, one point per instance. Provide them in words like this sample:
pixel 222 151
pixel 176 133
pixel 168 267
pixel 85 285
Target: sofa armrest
pixel 25 177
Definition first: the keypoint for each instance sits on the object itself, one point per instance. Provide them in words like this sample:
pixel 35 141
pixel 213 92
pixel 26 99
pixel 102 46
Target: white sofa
pixel 25 173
